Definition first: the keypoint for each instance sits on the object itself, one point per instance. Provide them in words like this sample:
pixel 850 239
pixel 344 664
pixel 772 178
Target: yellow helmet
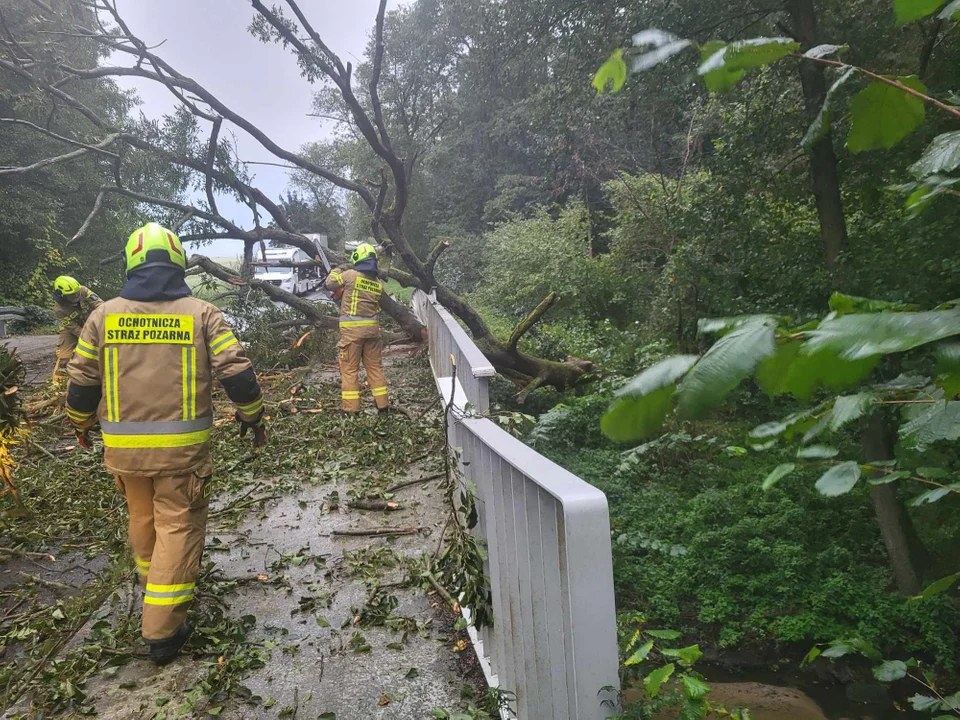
pixel 154 245
pixel 363 251
pixel 65 286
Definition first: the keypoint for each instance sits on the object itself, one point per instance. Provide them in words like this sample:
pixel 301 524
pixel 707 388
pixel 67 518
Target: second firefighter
pixel 360 291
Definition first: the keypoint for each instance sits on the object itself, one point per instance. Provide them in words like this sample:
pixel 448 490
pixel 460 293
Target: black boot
pixel 166 650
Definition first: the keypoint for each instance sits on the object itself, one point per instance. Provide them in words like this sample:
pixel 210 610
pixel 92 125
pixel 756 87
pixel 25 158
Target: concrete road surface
pixel 38 353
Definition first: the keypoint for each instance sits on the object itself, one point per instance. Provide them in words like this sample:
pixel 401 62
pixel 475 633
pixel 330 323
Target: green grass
pixel 399 291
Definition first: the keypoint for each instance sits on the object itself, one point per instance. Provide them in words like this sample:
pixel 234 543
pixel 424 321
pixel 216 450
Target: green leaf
pixel 844 304
pixel 817 452
pixel 612 73
pixel 412 674
pixel 811 656
pixel 933 473
pixel 640 655
pixel 824 120
pixel 922 703
pixel 757 52
pixel 848 408
pixel 924 193
pixel 773 373
pixel 654 680
pixel 643 403
pixel 839 648
pixel 931 496
pixel 722 65
pixel 948 368
pixel 687 656
pixel 839 480
pixel 694 687
pixel 941 156
pixel 664 634
pixel 778 474
pixel 889 477
pixel 821 51
pixel 721 79
pixel 939 422
pixel 890 670
pixel 938 587
pixel 951 11
pixel 732 358
pixel 664 45
pixel 882 115
pixel 790 426
pixel 855 337
pixel 910 10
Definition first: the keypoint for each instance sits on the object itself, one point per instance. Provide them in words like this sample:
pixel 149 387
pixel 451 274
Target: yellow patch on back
pixel 369 286
pixel 129 328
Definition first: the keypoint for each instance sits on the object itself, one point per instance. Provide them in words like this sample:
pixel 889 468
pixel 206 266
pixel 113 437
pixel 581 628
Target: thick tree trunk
pixel 877 443
pixel 823 161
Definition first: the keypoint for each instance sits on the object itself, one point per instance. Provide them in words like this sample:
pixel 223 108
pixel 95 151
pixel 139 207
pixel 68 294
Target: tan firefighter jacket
pixel 72 316
pixel 146 369
pixel 360 304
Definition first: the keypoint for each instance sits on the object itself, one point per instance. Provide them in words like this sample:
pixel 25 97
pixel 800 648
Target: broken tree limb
pixel 435 254
pixel 418 481
pixel 532 319
pixel 380 505
pixel 97 204
pixel 442 591
pixel 66 157
pixel 376 532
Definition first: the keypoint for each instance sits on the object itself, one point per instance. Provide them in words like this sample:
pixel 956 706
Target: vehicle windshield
pixel 273 271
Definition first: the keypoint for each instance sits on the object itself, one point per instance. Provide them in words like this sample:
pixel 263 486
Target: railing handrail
pixel 480 366
pixel 549 557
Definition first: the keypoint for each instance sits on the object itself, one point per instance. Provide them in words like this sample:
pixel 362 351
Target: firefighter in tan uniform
pixel 360 292
pixel 73 304
pixel 145 365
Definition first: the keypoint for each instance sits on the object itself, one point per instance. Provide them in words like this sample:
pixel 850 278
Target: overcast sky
pixel 208 41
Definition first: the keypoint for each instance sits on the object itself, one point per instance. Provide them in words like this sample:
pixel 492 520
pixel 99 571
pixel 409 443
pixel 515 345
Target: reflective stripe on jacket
pixel 360 304
pixel 72 317
pixel 155 363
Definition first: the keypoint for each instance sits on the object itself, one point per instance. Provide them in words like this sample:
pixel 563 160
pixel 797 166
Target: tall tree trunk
pixel 823 161
pixel 877 443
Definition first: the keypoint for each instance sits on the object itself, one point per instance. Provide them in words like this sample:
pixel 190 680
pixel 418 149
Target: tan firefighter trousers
pixel 168 517
pixel 352 353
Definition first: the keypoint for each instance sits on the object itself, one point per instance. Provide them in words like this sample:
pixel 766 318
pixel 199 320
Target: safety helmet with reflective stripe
pixel 65 285
pixel 363 251
pixel 154 245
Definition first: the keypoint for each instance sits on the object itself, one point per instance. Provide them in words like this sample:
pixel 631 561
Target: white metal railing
pixel 9 313
pixel 547 533
pixel 448 338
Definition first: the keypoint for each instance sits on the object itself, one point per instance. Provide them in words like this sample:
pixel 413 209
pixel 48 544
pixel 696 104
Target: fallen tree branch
pixel 532 319
pixel 418 481
pixel 380 505
pixel 376 532
pixel 442 591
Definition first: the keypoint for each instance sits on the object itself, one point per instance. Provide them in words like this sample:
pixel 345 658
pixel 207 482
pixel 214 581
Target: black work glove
pixel 258 426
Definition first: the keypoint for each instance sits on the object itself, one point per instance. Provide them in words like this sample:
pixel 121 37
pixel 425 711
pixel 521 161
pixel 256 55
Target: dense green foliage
pixel 699 546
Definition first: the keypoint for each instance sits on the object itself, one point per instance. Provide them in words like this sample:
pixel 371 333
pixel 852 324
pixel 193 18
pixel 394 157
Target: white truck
pixel 300 280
